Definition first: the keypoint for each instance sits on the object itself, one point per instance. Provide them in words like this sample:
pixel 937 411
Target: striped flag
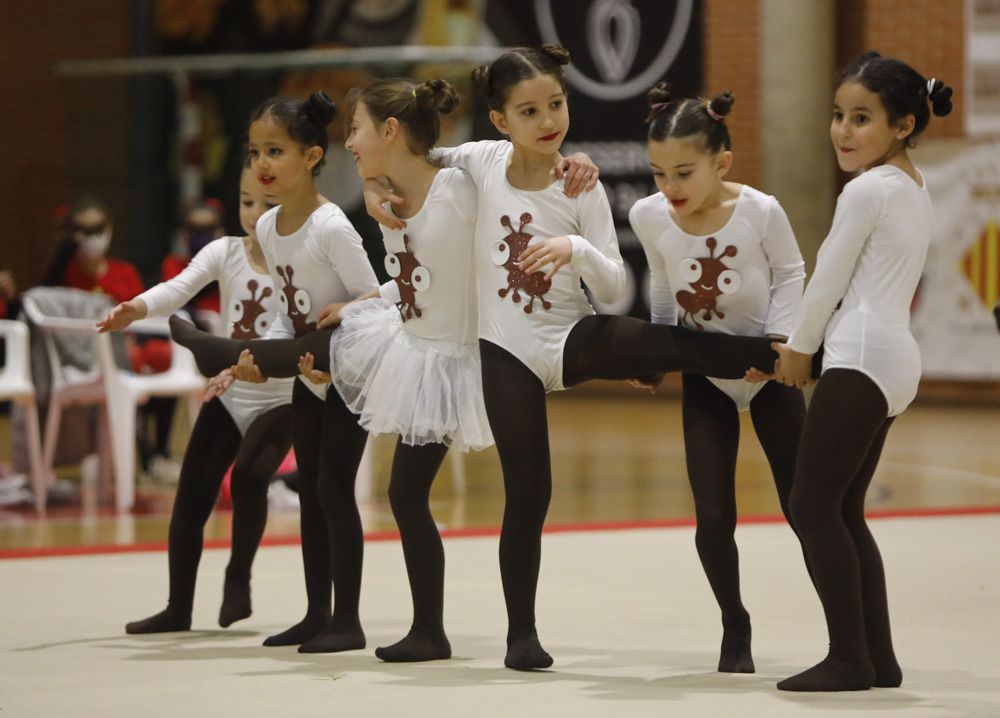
pixel 981 265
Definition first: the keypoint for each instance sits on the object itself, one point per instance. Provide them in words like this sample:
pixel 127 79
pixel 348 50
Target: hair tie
pixel 930 86
pixel 713 114
pixel 657 107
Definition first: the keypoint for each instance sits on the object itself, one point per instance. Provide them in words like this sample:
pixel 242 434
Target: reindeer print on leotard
pixel 410 277
pixel 505 254
pixel 295 302
pixel 709 278
pixel 250 319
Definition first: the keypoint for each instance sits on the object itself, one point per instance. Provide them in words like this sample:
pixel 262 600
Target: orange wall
pixel 732 62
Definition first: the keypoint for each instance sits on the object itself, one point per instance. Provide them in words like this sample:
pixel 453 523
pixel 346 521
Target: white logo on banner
pixel 613 30
pixel 613 36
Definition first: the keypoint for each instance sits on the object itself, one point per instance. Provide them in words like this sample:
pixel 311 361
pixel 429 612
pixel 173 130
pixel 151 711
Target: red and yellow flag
pixel 982 265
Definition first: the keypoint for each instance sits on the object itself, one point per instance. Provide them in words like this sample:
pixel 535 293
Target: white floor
pixel 627 615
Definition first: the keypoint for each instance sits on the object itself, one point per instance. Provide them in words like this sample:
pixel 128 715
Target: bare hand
pixel 651 384
pixel 376 197
pixel 580 173
pixel 121 316
pixel 329 316
pixel 792 368
pixel 246 369
pixel 756 376
pixel 219 384
pixel 307 364
pixel 557 251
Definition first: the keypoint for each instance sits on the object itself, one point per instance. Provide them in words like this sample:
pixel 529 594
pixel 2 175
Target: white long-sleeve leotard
pixel 249 305
pixel 321 262
pixel 408 362
pixel 509 219
pixel 858 300
pixel 744 279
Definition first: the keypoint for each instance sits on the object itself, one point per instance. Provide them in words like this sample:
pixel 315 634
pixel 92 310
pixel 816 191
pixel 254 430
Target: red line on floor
pixel 153 546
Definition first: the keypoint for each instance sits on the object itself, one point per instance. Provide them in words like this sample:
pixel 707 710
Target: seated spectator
pixel 90 268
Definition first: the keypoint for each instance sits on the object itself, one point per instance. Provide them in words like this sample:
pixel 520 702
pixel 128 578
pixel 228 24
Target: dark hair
pixel 417 106
pixel 495 81
pixel 902 90
pixel 81 205
pixel 305 122
pixel 690 116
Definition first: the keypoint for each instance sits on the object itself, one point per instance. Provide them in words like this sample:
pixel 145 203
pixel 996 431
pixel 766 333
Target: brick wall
pixel 927 34
pixel 33 114
pixel 732 62
pixel 40 115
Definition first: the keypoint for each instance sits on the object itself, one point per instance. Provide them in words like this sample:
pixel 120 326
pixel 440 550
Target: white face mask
pixel 95 245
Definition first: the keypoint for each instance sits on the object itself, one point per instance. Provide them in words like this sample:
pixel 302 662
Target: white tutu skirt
pixel 425 390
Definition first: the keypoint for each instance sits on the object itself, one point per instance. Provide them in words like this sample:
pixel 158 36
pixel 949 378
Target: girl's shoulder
pixel 326 212
pixel 235 250
pixel 651 211
pixel 490 148
pixel 457 186
pixel 229 243
pixel 758 204
pixel 870 187
pixel 266 224
pixel 329 220
pixel 453 179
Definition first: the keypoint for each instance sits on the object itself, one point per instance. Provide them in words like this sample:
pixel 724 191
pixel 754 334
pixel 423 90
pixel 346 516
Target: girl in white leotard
pixel 249 424
pixel 858 304
pixel 722 258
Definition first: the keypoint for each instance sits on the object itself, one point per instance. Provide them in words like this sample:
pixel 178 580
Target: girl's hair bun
pixel 437 95
pixel 557 52
pixel 481 81
pixel 940 98
pixel 320 109
pixel 658 98
pixel 722 104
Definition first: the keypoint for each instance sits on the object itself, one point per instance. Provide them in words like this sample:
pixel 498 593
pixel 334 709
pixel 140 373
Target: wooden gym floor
pixel 616 458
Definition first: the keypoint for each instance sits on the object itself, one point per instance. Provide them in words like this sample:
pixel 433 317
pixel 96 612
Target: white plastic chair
pixel 68 385
pixel 16 386
pixel 125 391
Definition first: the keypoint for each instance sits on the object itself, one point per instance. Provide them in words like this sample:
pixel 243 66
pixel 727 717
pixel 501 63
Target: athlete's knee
pixel 715 525
pixel 404 500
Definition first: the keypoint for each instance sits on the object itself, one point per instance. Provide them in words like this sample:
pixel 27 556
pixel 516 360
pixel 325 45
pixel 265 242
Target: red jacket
pixel 120 280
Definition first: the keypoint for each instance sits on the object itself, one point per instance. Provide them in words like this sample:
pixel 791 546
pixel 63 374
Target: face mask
pixel 197 241
pixel 96 245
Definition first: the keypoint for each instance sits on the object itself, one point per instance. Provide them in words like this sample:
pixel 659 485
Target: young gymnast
pixel 250 424
pixel 405 358
pixel 722 258
pixel 315 258
pixel 857 305
pixel 537 330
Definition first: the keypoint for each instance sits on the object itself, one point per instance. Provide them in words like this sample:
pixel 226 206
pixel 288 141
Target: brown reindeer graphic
pixel 295 302
pixel 505 254
pixel 709 278
pixel 250 319
pixel 410 277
